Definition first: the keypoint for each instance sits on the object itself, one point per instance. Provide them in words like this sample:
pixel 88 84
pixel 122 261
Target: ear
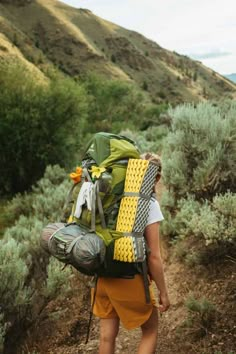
pixel 158 178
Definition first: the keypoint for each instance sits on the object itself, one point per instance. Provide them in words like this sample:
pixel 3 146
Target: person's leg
pixel 149 334
pixel 109 328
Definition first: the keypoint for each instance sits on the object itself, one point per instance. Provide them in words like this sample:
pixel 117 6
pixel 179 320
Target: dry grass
pixel 12 53
pixel 77 41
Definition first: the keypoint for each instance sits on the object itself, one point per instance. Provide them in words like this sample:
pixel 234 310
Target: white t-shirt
pixel 155 214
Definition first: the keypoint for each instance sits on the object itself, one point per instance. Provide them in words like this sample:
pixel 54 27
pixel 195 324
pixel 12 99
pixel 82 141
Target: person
pixel 122 299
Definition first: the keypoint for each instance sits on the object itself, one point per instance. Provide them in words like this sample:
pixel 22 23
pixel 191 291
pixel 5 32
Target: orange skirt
pixel 123 298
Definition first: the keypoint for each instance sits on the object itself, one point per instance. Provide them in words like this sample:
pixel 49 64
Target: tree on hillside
pixel 41 124
pixel 113 104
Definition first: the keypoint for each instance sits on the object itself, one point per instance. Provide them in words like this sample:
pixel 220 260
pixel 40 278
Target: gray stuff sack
pixel 72 244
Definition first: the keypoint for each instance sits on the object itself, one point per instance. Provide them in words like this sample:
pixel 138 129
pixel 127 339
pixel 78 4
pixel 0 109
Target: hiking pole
pixel 91 310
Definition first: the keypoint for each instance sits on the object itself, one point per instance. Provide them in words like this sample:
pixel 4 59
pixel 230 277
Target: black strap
pixel 93 210
pixel 146 282
pixel 91 309
pixel 100 207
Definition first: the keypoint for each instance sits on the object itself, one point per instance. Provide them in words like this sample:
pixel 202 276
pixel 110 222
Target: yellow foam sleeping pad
pixel 125 248
pixel 135 174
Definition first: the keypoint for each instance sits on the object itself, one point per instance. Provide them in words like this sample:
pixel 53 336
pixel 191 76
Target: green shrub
pixel 113 105
pixel 58 280
pixel 26 232
pixel 225 205
pixel 217 224
pixel 188 208
pixel 47 197
pixel 148 140
pixel 199 153
pixel 14 270
pixel 41 124
pixel 214 221
pixel 25 287
pixel 201 316
pixel 178 218
pixel 154 115
pixel 198 168
pixel 113 58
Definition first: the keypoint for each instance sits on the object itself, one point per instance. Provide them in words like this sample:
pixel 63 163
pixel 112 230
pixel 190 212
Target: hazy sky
pixel 202 29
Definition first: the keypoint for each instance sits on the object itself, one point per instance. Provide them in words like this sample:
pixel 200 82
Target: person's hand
pixel 164 302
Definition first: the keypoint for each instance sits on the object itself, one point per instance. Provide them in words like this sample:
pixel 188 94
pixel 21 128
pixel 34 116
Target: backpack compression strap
pixel 96 200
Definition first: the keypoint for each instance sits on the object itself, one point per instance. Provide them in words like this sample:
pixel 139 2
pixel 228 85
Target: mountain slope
pixel 48 32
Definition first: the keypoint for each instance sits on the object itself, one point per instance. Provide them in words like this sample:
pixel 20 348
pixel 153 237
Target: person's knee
pixel 109 330
pixel 108 337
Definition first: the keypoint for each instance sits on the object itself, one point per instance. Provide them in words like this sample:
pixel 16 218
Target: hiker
pixel 113 212
pixel 123 299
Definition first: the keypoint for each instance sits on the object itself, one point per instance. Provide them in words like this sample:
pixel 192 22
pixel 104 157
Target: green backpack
pixel 87 238
pixel 104 165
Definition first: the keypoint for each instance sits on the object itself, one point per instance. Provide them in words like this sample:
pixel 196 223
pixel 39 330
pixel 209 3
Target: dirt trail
pixel 61 328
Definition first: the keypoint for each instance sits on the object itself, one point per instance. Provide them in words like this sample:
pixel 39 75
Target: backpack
pixel 104 165
pixel 110 205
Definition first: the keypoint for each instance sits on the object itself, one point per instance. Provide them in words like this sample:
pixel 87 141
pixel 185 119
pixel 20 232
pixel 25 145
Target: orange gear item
pixel 76 176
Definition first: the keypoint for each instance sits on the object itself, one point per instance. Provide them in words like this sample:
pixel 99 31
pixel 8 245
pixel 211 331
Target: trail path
pixel 62 327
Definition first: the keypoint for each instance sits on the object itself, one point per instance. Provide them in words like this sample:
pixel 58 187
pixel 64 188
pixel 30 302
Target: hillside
pixel 48 33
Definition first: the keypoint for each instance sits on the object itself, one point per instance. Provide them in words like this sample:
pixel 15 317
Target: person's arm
pixel 155 265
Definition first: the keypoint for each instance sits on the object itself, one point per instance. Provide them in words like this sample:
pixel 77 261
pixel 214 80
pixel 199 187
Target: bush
pixel 25 286
pixel 58 281
pixel 154 115
pixel 199 154
pixel 201 316
pixel 46 200
pixel 198 168
pixel 216 224
pixel 26 233
pixel 41 124
pixel 14 269
pixel 113 105
pixel 214 221
pixel 148 140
